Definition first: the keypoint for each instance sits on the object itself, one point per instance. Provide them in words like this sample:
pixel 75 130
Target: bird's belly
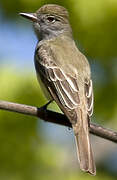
pixel 44 89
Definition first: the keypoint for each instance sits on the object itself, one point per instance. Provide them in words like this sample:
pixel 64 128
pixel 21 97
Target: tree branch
pixel 57 118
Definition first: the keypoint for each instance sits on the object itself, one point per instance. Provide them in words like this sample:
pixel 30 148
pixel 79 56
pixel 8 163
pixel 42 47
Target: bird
pixel 64 75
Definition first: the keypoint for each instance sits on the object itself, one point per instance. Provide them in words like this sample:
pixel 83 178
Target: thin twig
pixel 57 118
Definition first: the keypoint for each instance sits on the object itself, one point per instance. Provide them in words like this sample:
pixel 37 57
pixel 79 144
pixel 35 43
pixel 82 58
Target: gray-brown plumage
pixel 64 73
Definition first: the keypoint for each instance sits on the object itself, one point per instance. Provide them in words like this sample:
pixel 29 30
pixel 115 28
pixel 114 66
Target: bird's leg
pixel 44 107
pixel 42 110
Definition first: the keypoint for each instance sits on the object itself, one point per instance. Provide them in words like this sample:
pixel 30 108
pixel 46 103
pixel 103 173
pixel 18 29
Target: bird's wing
pixel 65 85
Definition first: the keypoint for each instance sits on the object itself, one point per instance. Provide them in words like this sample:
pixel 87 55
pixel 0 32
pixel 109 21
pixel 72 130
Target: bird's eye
pixel 51 19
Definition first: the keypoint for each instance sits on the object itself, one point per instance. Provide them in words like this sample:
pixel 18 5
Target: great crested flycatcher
pixel 64 74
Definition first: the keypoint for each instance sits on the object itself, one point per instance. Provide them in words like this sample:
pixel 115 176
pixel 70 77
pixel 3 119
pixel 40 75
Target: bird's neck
pixel 61 36
pixel 47 34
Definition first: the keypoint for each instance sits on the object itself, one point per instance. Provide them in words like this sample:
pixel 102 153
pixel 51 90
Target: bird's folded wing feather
pixel 89 96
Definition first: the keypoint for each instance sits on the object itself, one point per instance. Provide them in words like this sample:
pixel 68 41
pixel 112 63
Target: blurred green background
pixel 29 148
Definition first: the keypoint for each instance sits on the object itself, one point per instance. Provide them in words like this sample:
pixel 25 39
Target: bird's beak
pixel 30 16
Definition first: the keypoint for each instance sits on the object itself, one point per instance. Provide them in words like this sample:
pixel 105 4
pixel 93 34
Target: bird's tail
pixel 84 149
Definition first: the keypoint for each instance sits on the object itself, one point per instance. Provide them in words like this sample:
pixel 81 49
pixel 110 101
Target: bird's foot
pixel 44 107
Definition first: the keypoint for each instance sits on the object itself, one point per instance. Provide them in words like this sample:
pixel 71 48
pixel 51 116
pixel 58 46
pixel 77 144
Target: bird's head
pixel 50 21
